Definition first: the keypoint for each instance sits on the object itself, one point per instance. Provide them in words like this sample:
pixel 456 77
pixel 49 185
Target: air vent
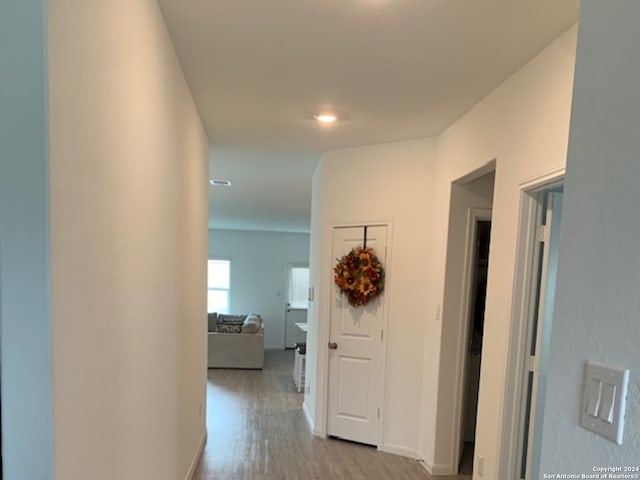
pixel 220 183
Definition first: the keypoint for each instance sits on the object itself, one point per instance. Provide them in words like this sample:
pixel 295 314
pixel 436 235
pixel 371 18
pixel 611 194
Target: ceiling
pixel 270 190
pixel 391 69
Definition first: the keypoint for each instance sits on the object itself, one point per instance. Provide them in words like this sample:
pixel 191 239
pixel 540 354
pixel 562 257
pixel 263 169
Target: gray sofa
pixel 235 341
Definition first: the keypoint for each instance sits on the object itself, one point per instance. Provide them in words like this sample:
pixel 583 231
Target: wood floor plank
pixel 257 431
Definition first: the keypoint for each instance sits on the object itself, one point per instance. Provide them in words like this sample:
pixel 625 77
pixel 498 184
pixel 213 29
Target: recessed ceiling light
pixel 220 183
pixel 325 117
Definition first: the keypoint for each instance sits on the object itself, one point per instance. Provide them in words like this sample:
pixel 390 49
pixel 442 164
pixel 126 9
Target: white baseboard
pixel 317 432
pixel 307 415
pixel 437 468
pixel 398 450
pixel 196 457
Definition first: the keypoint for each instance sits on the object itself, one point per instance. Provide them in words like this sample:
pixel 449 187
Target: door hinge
pixel 541 233
pixel 532 363
pixel 378 414
pixel 381 335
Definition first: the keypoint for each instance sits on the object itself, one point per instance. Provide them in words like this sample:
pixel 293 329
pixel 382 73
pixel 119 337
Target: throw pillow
pixel 230 319
pixel 251 324
pixel 222 328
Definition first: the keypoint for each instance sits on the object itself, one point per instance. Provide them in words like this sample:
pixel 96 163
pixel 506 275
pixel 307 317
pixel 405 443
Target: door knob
pixel 333 345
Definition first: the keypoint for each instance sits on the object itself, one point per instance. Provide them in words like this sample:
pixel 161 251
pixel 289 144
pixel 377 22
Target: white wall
pixel 597 303
pixel 128 180
pixel 382 183
pixel 27 438
pixel 315 375
pixel 523 125
pixel 259 273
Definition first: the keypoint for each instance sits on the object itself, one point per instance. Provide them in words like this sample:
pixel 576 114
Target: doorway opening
pixel 478 273
pixel 535 284
pixel 538 332
pixel 297 305
pixel 466 274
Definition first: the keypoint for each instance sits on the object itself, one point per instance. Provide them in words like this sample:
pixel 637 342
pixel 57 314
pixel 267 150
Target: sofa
pixel 235 341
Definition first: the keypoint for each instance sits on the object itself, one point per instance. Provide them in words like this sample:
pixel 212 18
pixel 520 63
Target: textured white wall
pixel 391 182
pixel 597 303
pixel 128 179
pixel 259 273
pixel 27 438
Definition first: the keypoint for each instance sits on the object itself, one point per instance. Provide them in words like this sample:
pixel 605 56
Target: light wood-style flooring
pixel 257 431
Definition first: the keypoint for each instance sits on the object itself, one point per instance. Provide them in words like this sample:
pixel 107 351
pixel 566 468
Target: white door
pixel 355 349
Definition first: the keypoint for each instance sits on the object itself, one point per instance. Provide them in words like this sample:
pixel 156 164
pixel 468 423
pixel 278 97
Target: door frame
pixel 325 334
pixel 474 215
pixel 521 311
pixel 289 265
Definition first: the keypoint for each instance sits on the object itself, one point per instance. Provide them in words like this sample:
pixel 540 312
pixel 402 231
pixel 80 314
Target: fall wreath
pixel 360 276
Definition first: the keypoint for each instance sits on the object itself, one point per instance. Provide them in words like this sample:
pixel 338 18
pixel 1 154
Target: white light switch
pixel 595 394
pixel 608 403
pixel 604 400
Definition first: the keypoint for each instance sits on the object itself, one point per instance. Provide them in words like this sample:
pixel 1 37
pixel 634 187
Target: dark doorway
pixel 476 328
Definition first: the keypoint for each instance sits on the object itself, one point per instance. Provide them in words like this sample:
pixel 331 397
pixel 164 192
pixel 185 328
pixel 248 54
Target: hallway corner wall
pixel 129 190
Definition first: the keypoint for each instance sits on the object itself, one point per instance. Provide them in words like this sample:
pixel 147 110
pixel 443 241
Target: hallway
pixel 257 431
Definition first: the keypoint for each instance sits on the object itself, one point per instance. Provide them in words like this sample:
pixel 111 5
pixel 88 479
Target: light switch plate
pixel 609 400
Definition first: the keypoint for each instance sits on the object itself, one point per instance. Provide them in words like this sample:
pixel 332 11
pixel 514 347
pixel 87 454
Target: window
pixel 218 285
pixel 298 286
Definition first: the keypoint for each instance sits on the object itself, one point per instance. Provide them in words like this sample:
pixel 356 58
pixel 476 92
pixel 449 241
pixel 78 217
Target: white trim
pixel 539 321
pixel 474 215
pixel 436 469
pixel 384 344
pixel 542 180
pixel 196 457
pixel 515 359
pixel 398 450
pixel 509 444
pixel 323 299
pixel 308 418
pixel 360 224
pixel 488 167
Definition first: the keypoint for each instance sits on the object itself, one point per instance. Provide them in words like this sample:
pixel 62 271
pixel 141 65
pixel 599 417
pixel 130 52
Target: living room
pixel 259 264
